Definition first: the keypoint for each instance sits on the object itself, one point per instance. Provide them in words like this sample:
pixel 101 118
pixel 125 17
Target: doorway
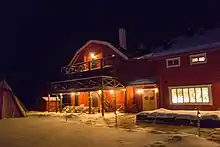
pixel 94 98
pixel 149 99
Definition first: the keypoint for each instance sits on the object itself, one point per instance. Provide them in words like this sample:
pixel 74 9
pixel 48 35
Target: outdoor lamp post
pixel 198 121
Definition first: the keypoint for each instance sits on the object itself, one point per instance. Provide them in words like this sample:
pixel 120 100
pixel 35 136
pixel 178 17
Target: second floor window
pixel 198 59
pixel 173 62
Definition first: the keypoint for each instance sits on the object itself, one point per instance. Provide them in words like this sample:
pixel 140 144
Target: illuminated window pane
pixel 192 95
pixel 198 95
pixel 201 59
pixel 174 96
pixel 180 95
pixel 194 59
pixel 205 95
pixel 186 95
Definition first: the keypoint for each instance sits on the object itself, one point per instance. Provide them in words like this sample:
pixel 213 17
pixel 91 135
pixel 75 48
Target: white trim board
pixel 97 42
pixel 172 59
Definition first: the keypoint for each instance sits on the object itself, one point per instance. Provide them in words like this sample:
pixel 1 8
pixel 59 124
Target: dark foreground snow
pixel 56 132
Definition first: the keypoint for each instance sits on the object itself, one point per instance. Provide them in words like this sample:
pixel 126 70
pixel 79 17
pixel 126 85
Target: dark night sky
pixel 38 37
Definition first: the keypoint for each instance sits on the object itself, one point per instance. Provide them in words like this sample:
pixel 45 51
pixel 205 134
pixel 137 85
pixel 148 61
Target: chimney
pixel 122 38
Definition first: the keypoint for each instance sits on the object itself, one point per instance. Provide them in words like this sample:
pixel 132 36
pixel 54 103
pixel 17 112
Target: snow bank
pixel 183 141
pixel 180 114
pixel 92 119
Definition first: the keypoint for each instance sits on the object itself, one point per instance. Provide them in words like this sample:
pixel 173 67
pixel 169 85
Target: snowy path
pixel 53 131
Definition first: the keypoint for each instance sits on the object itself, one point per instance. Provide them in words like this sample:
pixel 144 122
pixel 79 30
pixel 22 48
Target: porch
pixel 104 93
pixel 92 64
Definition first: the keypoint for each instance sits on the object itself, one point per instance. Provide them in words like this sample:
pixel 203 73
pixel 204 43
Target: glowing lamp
pixel 124 89
pixel 140 91
pixel 92 55
pixel 99 92
pixel 61 94
pixel 111 91
pixel 156 90
pixel 73 93
pixel 116 112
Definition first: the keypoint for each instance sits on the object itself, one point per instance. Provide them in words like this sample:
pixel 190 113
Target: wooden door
pixel 149 100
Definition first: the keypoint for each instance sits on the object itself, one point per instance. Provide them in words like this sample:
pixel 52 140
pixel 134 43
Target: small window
pixel 198 59
pixel 173 62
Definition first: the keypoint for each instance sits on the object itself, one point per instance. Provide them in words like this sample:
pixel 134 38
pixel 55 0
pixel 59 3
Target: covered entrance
pixel 149 99
pixel 92 91
pixel 94 99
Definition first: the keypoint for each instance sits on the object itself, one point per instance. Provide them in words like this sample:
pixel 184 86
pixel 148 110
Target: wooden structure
pixel 10 105
pixel 183 75
pixel 188 72
pixel 51 104
pixel 99 75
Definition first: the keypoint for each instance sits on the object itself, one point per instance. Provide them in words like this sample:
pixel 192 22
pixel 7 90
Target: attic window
pixel 198 59
pixel 173 62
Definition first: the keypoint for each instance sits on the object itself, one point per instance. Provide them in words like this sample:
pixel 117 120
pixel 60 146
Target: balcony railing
pixel 90 65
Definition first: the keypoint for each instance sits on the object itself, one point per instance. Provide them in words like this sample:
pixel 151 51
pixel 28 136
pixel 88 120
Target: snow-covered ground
pixel 55 131
pixel 52 129
pixel 183 114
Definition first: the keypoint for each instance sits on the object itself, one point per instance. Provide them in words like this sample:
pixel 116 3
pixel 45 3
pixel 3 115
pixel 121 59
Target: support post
pixel 61 103
pixel 102 97
pixel 115 109
pixel 56 103
pixel 90 108
pixel 198 121
pixel 125 100
pixel 48 103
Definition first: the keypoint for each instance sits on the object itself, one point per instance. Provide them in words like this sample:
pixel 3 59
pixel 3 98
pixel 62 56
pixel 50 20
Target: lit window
pixel 191 95
pixel 198 58
pixel 173 62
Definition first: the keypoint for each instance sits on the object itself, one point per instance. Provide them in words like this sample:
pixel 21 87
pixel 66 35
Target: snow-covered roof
pixel 150 80
pixel 51 98
pixel 4 85
pixel 98 42
pixel 207 40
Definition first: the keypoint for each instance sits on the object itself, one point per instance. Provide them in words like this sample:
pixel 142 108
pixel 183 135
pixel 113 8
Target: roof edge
pixel 97 42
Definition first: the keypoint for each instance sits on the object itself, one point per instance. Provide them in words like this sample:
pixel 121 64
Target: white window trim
pixel 171 59
pixel 191 86
pixel 198 55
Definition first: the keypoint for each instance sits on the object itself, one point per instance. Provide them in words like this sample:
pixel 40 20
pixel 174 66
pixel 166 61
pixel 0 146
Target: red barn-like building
pixel 184 76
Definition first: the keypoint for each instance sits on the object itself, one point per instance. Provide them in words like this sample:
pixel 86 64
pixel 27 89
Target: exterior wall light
pixel 92 55
pixel 140 91
pixel 111 91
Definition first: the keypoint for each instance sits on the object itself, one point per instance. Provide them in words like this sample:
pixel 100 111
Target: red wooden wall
pixel 186 74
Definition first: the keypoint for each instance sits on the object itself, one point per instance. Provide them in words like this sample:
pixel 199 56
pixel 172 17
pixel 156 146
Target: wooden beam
pixel 61 103
pixel 102 98
pixel 90 104
pixel 56 104
pixel 125 100
pixel 48 103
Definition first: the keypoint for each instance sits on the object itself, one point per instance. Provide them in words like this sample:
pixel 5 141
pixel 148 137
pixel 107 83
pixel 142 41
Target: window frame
pixel 209 86
pixel 172 59
pixel 197 56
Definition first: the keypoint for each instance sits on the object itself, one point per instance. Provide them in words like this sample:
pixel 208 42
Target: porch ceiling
pixel 86 84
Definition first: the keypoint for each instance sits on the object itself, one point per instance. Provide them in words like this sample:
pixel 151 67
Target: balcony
pixel 90 65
